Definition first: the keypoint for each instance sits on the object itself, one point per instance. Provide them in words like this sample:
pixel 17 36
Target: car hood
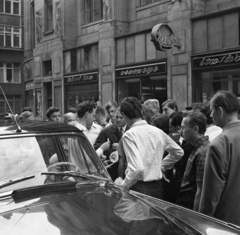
pixel 94 209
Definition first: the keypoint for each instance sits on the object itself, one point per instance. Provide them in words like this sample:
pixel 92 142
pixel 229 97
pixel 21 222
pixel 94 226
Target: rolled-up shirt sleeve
pixel 135 166
pixel 175 153
pixel 214 180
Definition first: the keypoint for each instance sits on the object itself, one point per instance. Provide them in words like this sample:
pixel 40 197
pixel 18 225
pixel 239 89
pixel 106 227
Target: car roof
pixel 38 127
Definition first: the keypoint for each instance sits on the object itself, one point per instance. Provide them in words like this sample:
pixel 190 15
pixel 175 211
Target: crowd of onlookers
pixel 187 157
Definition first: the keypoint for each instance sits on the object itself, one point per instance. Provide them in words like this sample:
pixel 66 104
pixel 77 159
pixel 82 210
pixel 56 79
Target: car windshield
pixel 26 156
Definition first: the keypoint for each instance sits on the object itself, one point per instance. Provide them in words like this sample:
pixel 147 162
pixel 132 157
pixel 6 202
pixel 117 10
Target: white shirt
pixel 91 133
pixel 144 146
pixel 212 132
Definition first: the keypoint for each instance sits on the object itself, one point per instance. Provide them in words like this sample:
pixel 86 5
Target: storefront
pixel 79 88
pixel 214 72
pixel 145 81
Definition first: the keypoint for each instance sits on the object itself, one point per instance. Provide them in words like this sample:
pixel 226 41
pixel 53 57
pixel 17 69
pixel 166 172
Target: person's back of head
pixel 69 118
pixel 153 104
pixel 84 107
pixel 131 107
pixel 205 109
pixel 225 100
pixel 26 109
pixel 176 118
pixel 162 122
pixel 72 110
pixel 26 116
pixel 147 113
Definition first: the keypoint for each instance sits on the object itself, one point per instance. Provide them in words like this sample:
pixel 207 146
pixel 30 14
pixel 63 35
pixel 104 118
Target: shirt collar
pixel 80 126
pixel 123 128
pixel 139 123
pixel 200 141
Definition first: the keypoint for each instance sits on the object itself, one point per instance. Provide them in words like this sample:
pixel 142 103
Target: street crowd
pixel 188 157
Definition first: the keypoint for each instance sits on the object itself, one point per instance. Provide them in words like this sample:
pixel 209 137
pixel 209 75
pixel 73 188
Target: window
pixel 48 15
pixel 47 68
pixel 81 59
pixel 10 7
pixel 10 36
pixel 10 73
pixel 146 2
pixel 93 10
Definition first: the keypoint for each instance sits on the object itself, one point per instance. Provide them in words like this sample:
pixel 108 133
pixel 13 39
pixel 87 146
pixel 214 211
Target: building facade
pixel 101 50
pixel 11 55
pixel 216 54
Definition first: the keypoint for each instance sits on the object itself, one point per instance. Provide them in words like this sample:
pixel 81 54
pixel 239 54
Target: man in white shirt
pixel 86 112
pixel 144 146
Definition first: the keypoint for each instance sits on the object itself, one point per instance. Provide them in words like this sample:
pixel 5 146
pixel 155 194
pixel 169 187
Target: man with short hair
pixel 110 108
pixel 100 116
pixel 212 130
pixel 193 130
pixel 144 146
pixel 53 114
pixel 169 106
pixel 69 118
pixel 113 133
pixel 175 122
pixel 221 192
pixel 86 112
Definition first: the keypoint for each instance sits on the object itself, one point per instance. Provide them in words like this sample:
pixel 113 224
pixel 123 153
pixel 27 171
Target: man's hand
pixel 118 181
pixel 105 146
pixel 115 146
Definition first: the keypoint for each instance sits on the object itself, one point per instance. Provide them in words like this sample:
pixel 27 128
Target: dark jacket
pixel 221 192
pixel 112 133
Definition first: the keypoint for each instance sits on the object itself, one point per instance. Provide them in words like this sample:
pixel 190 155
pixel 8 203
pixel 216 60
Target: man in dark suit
pixel 112 133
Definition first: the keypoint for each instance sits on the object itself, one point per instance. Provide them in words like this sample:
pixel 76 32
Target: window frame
pixel 48 21
pixel 12 34
pixel 12 2
pixel 89 16
pixel 13 68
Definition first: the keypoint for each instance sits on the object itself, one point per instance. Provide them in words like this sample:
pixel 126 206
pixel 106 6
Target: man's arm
pixel 213 180
pixel 175 153
pixel 134 162
pixel 197 196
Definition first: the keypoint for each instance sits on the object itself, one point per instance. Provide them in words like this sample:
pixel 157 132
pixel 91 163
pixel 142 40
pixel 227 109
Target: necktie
pixel 121 131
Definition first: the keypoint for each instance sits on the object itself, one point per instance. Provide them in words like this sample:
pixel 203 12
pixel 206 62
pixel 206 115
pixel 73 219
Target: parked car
pixel 59 186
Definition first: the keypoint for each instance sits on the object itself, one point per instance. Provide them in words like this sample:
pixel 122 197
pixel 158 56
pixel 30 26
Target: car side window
pixel 76 152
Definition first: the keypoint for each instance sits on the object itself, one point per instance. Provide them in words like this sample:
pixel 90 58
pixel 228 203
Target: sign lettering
pixel 141 70
pixel 163 37
pixel 211 61
pixel 81 78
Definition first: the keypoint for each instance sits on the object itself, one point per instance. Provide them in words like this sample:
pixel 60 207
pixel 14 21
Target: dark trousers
pixel 152 188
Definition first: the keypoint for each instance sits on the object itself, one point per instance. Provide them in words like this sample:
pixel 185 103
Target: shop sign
pixel 163 37
pixel 29 86
pixel 81 78
pixel 141 70
pixel 218 60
